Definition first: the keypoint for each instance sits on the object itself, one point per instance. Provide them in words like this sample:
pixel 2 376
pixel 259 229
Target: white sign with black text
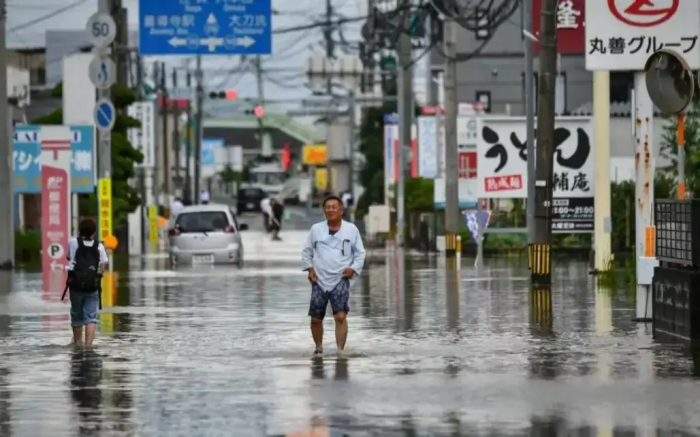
pixel 624 33
pixel 143 138
pixel 502 158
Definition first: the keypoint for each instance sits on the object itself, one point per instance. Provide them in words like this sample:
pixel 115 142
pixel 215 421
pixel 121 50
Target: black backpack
pixel 85 276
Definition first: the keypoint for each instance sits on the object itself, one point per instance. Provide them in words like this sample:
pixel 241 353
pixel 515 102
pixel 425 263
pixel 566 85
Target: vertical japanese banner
pixel 105 197
pixel 391 162
pixel 109 300
pixel 153 224
pixel 55 160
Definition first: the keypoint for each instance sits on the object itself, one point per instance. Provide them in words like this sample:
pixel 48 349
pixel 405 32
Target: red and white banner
pixel 391 163
pixel 55 208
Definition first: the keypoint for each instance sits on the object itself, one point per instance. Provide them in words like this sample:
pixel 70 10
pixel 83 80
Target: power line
pixel 48 16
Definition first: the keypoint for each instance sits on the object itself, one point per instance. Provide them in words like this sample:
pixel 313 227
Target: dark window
pixel 251 192
pixel 621 83
pixel 202 221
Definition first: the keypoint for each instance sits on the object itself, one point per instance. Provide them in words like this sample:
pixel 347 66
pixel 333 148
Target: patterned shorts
pixel 338 298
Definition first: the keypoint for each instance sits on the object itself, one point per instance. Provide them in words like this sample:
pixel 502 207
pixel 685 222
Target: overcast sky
pixel 290 51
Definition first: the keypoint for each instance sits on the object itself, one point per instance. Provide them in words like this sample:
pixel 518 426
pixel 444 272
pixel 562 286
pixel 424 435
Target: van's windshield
pixel 202 221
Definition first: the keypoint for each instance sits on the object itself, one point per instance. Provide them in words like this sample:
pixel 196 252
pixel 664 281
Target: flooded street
pixel 227 352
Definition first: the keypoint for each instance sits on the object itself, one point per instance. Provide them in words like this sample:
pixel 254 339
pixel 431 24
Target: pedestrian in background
pixel 333 257
pixel 204 197
pixel 266 208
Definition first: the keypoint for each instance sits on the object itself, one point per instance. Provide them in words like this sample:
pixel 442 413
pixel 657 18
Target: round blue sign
pixel 105 115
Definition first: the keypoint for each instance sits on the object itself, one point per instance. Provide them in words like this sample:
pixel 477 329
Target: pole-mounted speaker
pixel 669 81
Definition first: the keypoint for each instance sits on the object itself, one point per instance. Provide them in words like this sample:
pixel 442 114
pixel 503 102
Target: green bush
pixel 27 246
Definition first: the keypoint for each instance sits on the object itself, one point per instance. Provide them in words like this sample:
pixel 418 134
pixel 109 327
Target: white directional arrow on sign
pixel 213 43
pixel 246 41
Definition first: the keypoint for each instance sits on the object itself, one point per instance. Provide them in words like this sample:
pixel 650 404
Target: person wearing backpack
pixel 88 260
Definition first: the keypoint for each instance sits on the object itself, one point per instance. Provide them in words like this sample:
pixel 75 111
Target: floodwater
pixel 227 352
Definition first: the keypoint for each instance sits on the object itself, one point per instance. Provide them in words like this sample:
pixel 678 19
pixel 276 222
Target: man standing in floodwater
pixel 333 256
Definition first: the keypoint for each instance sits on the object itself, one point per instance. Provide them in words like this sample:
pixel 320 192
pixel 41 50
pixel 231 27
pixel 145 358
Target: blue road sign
pixel 105 115
pixel 209 146
pixel 205 27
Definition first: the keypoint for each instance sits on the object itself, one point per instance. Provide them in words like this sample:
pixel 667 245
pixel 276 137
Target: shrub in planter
pixel 27 246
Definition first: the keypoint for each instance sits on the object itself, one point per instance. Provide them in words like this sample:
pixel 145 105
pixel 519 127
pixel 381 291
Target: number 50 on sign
pixel 105 199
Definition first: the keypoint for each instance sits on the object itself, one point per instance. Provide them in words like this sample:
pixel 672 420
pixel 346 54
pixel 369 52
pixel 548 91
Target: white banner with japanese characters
pixel 502 158
pixel 622 34
pixel 143 139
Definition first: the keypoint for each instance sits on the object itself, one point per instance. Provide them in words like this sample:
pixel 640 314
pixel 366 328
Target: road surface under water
pixel 227 352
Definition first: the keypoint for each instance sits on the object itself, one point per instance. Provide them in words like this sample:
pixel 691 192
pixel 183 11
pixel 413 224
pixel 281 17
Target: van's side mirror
pixel 243 227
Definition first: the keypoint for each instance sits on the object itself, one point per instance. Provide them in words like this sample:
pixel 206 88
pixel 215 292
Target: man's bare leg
pixel 90 334
pixel 317 333
pixel 341 330
pixel 78 336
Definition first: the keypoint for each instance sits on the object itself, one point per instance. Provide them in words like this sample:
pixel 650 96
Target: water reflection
pixel 85 381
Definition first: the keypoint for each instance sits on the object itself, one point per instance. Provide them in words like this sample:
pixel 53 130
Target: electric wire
pixel 48 16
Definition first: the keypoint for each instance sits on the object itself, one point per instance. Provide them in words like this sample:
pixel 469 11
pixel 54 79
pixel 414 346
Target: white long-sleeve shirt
pixel 329 255
pixel 265 206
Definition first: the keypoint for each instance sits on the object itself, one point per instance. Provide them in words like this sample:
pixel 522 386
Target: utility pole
pixel 405 109
pixel 7 229
pixel 199 77
pixel 451 162
pixel 260 101
pixel 330 44
pixel 142 173
pixel 156 172
pixel 176 138
pixel 530 120
pixel 540 260
pixel 166 134
pixel 188 143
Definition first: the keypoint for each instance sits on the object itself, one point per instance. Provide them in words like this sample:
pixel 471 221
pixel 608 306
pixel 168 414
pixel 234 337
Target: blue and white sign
pixel 26 148
pixel 105 115
pixel 103 73
pixel 205 27
pixel 209 147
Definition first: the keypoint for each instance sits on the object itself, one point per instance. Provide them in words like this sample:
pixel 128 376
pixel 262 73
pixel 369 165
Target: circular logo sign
pixel 56 251
pixel 643 13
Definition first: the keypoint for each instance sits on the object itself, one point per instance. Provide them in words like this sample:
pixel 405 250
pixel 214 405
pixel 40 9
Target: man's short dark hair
pixel 87 228
pixel 332 197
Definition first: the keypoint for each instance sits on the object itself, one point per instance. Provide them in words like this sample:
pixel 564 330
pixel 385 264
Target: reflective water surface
pixel 442 352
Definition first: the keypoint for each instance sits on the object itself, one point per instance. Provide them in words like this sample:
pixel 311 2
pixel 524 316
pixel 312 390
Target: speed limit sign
pixel 101 30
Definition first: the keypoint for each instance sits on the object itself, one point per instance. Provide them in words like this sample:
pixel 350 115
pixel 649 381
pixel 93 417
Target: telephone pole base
pixel 450 245
pixel 540 263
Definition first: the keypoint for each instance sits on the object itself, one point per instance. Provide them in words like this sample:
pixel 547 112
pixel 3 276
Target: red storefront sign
pixel 571 29
pixel 467 165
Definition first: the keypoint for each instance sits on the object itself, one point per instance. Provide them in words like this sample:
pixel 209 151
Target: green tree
pixel 669 150
pixel 125 199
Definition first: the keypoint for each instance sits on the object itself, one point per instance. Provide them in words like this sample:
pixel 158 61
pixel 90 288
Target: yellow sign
pixel 315 154
pixel 153 224
pixel 109 300
pixel 105 198
pixel 322 178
